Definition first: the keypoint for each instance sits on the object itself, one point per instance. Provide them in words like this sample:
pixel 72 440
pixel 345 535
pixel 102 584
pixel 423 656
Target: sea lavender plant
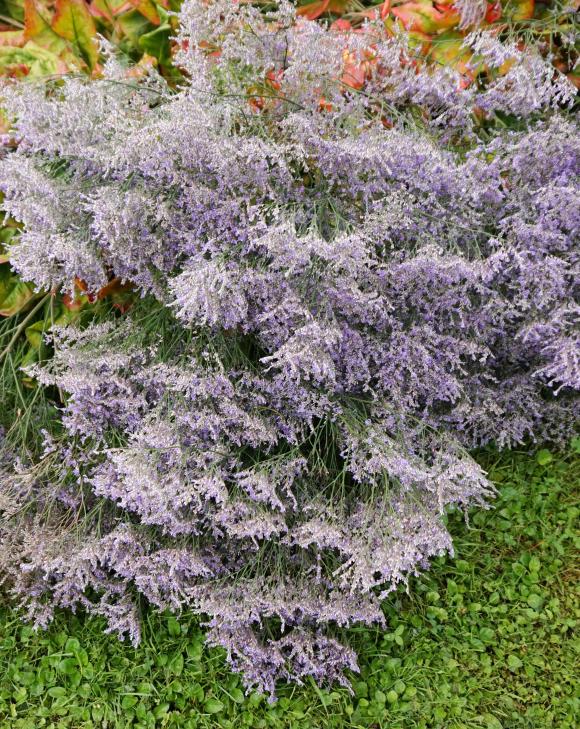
pixel 337 305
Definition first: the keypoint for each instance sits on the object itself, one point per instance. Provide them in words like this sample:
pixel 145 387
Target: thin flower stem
pixel 22 326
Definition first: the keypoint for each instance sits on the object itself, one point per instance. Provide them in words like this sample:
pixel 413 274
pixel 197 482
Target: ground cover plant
pixel 339 290
pixel 483 641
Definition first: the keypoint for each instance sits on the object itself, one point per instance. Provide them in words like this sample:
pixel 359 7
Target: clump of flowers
pixel 337 306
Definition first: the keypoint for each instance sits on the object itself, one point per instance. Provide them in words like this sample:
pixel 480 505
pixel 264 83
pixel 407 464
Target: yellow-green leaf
pixel 36 19
pixel 517 10
pixel 72 21
pixel 7 234
pixel 14 293
pixel 12 38
pixel 38 62
pixel 134 25
pixel 148 9
pixel 448 50
pixel 34 334
pixel 37 27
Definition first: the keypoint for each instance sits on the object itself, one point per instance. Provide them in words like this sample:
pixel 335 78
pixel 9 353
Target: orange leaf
pixel 37 19
pixel 341 25
pixel 114 287
pixel 74 304
pixel 314 10
pixel 109 9
pixel 575 79
pixel 493 12
pixel 354 75
pixel 147 9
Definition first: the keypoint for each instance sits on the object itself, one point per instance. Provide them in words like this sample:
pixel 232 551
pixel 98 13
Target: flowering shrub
pixel 337 305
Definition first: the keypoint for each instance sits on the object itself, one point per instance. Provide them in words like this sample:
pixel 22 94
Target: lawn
pixel 485 639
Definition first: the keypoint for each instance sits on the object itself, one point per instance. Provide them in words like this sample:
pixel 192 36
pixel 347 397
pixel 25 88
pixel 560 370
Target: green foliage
pixel 32 61
pixel 484 641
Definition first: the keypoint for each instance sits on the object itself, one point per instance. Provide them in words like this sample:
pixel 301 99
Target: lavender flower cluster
pixel 343 308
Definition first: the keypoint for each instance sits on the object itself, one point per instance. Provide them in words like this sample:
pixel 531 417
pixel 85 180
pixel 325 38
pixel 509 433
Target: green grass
pixel 484 640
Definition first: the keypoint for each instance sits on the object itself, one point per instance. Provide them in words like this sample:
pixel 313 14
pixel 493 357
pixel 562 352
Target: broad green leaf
pixel 237 695
pixel 34 333
pixel 128 701
pixel 57 691
pixel 156 43
pixel 487 635
pixel 68 666
pixel 25 678
pixel 535 601
pixel 176 664
pixel 380 697
pixel 196 691
pixel 213 706
pixel 544 457
pixel 491 722
pixel 160 711
pixel 6 235
pixel 73 645
pixel 173 627
pixel 514 663
pixel 72 20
